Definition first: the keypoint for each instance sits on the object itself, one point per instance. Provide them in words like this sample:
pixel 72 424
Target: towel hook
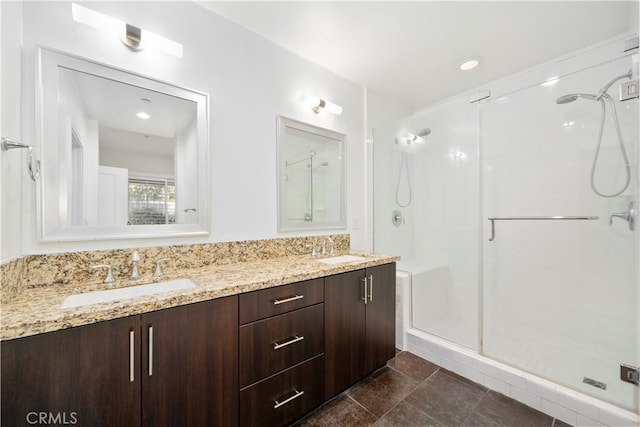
pixel 34 166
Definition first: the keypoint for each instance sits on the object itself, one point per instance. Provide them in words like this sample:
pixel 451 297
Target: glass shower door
pixel 561 296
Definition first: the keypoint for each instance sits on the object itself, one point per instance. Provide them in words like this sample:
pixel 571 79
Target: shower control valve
pixel 397 218
pixel 629 216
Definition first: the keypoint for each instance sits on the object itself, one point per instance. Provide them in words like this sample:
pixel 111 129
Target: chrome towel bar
pixel 34 166
pixel 535 218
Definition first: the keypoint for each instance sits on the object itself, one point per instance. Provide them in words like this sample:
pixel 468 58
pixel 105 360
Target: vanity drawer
pixel 271 345
pixel 280 399
pixel 281 299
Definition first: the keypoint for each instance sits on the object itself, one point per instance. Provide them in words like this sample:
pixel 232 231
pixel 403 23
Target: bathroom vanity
pixel 261 354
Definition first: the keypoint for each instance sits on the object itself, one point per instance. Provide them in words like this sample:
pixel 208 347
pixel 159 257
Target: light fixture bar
pixel 318 104
pixel 133 37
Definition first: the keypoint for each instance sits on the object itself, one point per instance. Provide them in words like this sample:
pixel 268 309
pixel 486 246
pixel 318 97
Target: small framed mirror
pixel 311 176
pixel 123 155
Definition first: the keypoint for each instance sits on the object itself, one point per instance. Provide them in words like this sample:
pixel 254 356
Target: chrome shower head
pixel 565 99
pixel 424 132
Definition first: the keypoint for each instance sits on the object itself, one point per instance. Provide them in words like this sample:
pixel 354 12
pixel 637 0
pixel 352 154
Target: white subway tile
pixel 525 397
pixel 619 420
pixel 559 412
pixel 583 421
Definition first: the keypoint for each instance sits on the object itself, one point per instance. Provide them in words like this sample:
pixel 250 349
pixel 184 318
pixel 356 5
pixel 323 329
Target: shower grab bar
pixel 534 218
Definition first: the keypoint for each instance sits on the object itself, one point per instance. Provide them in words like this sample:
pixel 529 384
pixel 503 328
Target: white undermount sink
pixel 340 259
pixel 79 300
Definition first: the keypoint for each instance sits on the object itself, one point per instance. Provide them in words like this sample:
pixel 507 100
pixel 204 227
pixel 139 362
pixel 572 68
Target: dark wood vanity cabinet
pixel 80 375
pixel 359 325
pixel 171 367
pixel 262 358
pixel 281 353
pixel 190 364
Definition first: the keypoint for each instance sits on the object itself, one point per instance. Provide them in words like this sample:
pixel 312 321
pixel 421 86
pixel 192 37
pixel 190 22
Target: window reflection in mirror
pixel 311 176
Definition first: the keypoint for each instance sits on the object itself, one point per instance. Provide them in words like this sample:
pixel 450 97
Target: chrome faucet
pixel 135 273
pixel 312 246
pixel 159 272
pixel 324 245
pixel 109 278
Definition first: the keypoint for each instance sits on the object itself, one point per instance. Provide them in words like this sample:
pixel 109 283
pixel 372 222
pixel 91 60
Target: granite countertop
pixel 37 310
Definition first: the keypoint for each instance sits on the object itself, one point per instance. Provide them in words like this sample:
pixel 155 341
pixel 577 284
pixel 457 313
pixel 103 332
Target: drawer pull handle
pixel 293 298
pixel 284 402
pixel 295 339
pixel 132 357
pixel 371 287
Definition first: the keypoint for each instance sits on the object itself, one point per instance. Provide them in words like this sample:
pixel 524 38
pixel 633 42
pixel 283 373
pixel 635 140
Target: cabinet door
pixel 190 365
pixel 76 376
pixel 344 331
pixel 40 374
pixel 110 374
pixel 381 316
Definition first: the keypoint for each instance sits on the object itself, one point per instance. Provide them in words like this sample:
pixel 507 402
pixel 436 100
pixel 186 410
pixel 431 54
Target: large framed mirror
pixel 311 176
pixel 123 155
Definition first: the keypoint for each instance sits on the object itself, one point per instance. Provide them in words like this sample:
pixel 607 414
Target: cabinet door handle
pixel 295 339
pixel 371 287
pixel 150 350
pixel 284 402
pixel 132 356
pixel 293 298
pixel 365 280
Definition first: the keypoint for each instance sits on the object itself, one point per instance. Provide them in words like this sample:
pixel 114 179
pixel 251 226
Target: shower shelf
pixel 534 218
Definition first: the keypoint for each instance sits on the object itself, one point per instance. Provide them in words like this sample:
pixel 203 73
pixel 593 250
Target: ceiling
pixel 410 51
pixel 115 104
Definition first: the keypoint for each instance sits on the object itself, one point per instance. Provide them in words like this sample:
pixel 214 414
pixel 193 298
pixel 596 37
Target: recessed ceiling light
pixel 142 115
pixel 469 64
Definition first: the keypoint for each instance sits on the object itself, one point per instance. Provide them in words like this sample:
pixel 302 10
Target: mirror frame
pixel 283 123
pixel 49 227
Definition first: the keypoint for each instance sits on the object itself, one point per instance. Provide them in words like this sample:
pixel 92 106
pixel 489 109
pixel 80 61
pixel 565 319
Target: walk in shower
pixel 518 227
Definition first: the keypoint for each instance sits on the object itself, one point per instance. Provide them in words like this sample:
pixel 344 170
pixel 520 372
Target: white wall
pixel 250 81
pixel 186 153
pixel 380 110
pixel 11 162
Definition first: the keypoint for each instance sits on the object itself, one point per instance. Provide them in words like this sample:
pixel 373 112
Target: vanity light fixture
pixel 470 64
pixel 318 104
pixel 133 37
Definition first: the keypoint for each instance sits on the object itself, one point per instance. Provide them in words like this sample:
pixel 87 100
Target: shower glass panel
pixel 560 297
pixel 433 183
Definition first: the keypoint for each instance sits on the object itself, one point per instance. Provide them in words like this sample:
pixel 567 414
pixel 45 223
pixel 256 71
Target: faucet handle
pixel 159 272
pixel 109 278
pixel 313 249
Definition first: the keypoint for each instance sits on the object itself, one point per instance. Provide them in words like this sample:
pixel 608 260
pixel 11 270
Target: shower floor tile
pixel 410 391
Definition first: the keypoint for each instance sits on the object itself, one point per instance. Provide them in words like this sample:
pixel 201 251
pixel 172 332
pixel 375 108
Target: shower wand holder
pixel 629 90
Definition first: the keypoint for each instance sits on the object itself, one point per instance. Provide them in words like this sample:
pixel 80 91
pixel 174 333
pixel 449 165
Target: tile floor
pixel 410 391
